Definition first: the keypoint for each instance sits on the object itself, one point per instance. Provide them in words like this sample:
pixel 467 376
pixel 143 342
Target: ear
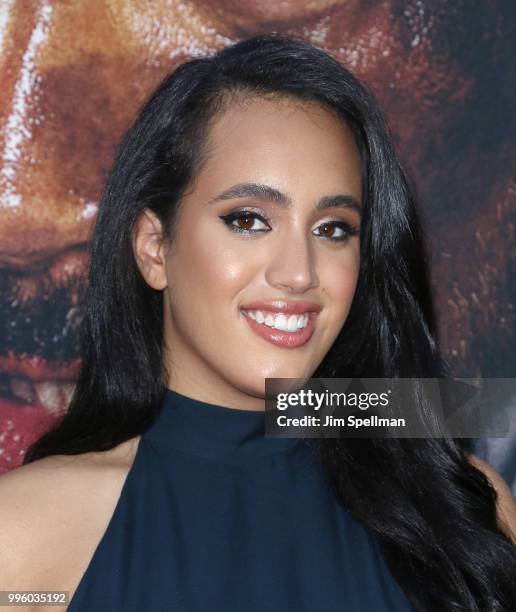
pixel 149 249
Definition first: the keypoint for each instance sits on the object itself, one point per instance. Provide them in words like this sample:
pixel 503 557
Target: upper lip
pixel 298 307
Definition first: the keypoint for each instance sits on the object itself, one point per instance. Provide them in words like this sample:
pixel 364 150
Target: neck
pixel 213 394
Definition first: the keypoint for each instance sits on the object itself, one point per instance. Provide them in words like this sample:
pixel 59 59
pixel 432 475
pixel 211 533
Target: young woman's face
pixel 298 242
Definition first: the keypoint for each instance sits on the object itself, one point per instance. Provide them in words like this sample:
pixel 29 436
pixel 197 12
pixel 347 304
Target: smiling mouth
pixel 281 329
pixel 39 340
pixel 290 323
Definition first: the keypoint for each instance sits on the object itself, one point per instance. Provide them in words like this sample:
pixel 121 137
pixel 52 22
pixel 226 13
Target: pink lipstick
pixel 287 331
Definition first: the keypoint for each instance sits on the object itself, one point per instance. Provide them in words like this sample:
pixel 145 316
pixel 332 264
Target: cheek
pixel 339 279
pixel 213 268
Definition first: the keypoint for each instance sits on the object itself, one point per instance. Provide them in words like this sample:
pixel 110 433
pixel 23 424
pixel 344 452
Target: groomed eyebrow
pixel 270 194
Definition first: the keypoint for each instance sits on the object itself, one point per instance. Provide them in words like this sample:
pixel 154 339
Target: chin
pixel 256 386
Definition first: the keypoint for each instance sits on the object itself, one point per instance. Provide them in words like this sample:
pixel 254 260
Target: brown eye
pixel 327 230
pixel 245 222
pixel 337 231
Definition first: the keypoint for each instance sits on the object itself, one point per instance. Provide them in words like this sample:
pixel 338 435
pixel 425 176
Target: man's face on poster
pixel 74 75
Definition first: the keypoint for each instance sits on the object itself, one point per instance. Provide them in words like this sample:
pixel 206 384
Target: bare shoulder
pixel 53 512
pixel 506 503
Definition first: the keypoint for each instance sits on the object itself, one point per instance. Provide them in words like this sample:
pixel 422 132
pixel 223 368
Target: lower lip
pixel 282 338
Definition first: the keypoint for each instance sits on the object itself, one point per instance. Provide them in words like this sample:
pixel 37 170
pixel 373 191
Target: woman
pixel 255 185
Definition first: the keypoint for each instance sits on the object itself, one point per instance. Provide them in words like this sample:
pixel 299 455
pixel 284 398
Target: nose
pixel 292 265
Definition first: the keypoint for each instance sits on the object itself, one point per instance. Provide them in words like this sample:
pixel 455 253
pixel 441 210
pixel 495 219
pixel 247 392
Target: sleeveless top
pixel 215 517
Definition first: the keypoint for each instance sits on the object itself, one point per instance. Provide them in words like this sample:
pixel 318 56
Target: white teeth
pixel 269 320
pixel 23 389
pixel 280 321
pixel 55 397
pixel 292 323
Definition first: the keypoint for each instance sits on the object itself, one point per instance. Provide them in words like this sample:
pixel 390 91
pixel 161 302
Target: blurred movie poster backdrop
pixel 74 73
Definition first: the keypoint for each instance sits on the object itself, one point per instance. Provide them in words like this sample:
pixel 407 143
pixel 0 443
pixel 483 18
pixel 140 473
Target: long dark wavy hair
pixel 432 513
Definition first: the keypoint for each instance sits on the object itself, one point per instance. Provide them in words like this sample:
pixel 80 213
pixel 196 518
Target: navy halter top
pixel 215 517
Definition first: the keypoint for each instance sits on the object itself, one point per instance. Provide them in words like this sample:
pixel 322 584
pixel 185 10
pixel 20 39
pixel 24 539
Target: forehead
pixel 280 136
pixel 275 118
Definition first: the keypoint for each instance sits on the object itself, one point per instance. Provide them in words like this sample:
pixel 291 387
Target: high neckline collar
pixel 213 431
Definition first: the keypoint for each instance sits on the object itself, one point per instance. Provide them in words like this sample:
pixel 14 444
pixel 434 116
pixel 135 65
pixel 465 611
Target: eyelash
pixel 228 220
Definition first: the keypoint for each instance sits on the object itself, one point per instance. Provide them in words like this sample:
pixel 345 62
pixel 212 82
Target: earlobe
pixel 148 248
